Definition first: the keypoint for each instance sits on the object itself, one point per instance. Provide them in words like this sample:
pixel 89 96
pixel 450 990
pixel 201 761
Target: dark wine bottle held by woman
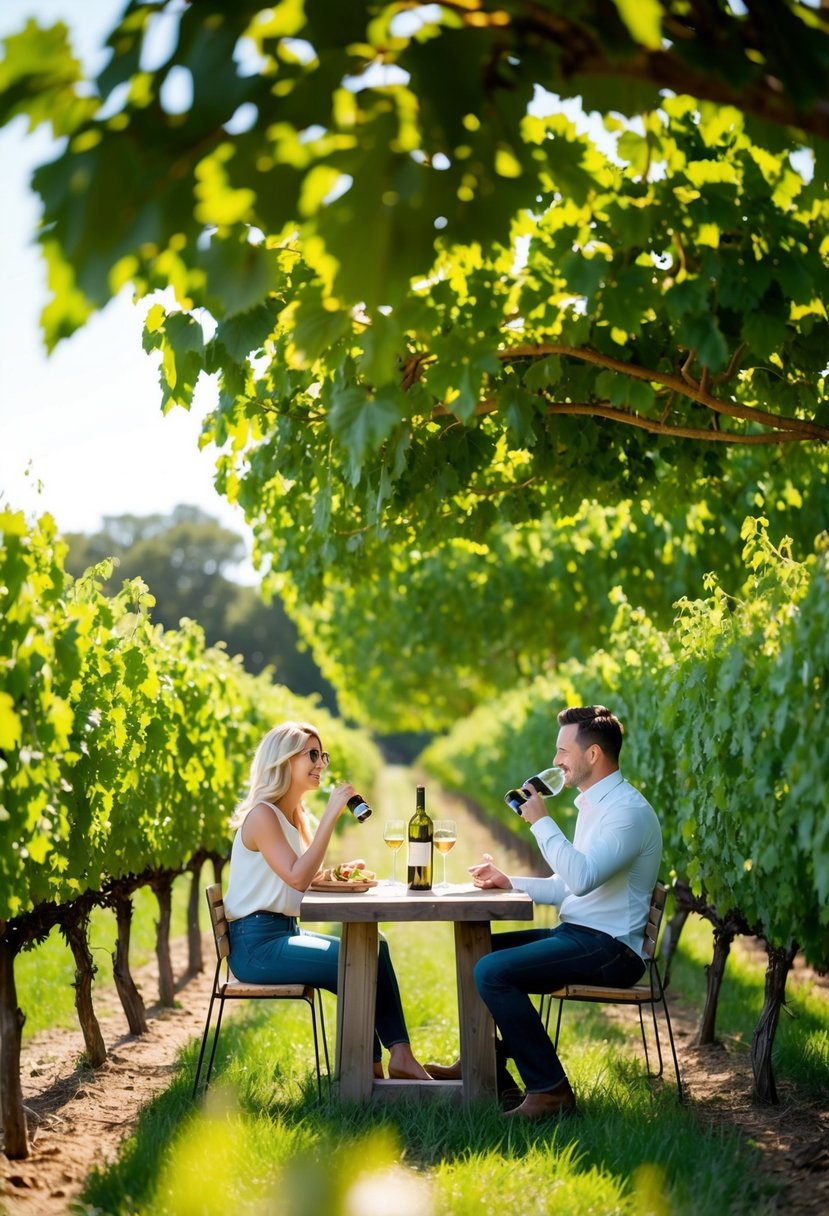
pixel 420 846
pixel 359 808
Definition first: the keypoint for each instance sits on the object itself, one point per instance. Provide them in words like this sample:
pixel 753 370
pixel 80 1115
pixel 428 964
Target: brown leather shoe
pixel 548 1105
pixel 510 1098
pixel 445 1072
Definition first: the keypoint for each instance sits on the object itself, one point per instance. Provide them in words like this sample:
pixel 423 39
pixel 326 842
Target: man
pixel 602 884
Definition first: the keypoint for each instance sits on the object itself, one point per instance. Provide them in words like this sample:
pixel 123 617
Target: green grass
pixel 44 975
pixel 261 1142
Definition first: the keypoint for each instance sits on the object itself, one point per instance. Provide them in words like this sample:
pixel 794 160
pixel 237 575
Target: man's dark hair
pixel 596 724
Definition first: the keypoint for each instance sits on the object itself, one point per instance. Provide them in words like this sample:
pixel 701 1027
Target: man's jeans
pixel 541 960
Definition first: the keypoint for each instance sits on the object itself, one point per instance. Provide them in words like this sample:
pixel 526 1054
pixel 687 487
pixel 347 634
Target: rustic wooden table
pixel 472 911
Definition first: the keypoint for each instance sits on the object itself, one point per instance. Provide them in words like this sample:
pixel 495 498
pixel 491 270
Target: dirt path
pixel 79 1117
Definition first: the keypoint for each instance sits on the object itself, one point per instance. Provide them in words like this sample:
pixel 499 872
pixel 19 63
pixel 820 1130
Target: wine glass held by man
pixel 274 859
pixel 602 888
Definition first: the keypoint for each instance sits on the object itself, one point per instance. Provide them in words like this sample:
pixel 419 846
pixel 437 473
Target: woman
pixel 274 860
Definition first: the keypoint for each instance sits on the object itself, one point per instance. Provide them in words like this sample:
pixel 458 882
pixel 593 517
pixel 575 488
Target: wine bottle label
pixel 420 853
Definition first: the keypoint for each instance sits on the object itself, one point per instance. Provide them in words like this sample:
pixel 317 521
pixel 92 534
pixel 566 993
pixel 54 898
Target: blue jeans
pixel 268 948
pixel 541 960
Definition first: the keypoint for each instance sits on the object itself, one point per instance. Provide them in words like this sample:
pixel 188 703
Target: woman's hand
pixel 338 799
pixel 486 875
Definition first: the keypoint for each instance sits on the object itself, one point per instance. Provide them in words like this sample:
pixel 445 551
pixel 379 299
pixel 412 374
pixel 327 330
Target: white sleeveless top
pixel 253 885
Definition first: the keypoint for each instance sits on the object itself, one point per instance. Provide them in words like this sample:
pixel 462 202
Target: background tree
pixel 183 557
pixel 442 307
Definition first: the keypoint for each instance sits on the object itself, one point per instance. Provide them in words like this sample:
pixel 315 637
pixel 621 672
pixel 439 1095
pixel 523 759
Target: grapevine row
pixel 123 747
pixel 728 731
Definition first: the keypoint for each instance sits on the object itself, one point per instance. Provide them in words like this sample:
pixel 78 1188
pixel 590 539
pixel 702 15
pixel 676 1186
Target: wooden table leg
pixel 356 1000
pixel 477 1029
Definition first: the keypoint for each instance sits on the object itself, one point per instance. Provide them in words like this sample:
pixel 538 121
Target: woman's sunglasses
pixel 314 754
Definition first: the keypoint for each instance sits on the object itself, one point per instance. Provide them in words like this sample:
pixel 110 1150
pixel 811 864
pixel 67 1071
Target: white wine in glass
pixel 394 833
pixel 446 833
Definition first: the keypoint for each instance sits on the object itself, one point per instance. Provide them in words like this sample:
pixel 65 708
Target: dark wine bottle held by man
pixel 420 846
pixel 547 783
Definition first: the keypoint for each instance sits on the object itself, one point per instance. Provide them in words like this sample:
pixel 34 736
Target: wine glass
pixel 445 835
pixel 394 833
pixel 548 783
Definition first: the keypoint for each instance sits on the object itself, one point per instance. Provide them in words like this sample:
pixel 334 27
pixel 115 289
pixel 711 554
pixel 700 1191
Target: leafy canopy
pixel 435 305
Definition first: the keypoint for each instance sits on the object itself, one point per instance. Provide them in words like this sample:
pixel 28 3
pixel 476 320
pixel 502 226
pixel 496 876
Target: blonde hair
pixel 270 771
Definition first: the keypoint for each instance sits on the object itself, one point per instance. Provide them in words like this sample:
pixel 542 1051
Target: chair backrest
pixel 657 908
pixel 218 920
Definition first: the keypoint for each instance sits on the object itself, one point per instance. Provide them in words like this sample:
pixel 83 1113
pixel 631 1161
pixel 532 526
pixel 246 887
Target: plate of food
pixel 344 878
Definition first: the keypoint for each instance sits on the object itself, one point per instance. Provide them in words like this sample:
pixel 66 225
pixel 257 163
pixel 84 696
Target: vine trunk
pixel 714 972
pixel 15 1132
pixel 131 1001
pixel 195 960
pixel 162 884
pixel 75 927
pixel 777 971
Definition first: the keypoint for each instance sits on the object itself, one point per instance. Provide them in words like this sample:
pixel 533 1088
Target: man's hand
pixel 486 875
pixel 534 808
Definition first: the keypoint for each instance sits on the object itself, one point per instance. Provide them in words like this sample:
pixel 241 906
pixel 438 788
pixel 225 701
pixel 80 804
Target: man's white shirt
pixel 605 878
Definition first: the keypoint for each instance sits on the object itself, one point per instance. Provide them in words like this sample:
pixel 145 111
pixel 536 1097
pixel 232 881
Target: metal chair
pixel 231 989
pixel 651 992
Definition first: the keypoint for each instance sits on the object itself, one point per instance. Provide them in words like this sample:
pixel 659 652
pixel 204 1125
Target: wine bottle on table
pixel 420 845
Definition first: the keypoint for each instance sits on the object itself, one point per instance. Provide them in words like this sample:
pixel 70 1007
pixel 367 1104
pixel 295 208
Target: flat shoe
pixel 445 1072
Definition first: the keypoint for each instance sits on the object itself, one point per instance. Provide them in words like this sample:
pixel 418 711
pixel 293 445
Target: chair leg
pixel 324 1040
pixel 643 1032
pixel 658 1072
pixel 558 1022
pixel 545 1002
pixel 672 1045
pixel 316 1044
pixel 204 1042
pixel 215 1041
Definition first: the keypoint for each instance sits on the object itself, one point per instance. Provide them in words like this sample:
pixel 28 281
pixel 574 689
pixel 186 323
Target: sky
pixel 81 430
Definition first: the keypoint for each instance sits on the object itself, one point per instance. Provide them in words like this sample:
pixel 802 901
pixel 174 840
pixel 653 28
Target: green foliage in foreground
pixel 261 1142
